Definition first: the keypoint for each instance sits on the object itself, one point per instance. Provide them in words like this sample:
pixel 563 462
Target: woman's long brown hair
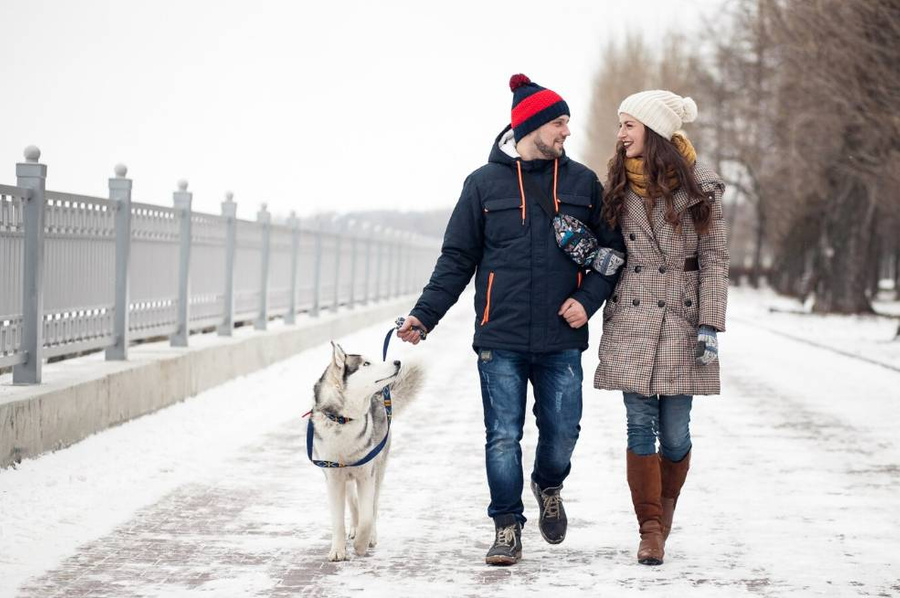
pixel 660 156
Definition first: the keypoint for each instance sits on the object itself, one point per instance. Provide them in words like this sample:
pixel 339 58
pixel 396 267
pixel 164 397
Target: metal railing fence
pixel 80 273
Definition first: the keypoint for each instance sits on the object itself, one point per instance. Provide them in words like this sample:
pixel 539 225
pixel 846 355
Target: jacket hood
pixel 504 152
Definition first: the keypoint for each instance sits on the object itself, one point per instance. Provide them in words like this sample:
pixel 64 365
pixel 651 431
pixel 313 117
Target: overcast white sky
pixel 308 106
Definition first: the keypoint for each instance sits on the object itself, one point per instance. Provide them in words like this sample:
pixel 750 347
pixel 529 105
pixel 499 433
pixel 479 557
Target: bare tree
pixel 628 68
pixel 803 123
pixel 625 69
pixel 844 109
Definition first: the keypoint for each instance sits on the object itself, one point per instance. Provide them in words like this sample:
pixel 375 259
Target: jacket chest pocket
pixel 578 206
pixel 504 219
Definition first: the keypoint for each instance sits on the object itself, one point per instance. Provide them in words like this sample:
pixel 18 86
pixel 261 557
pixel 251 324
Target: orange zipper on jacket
pixel 579 279
pixel 487 306
pixel 521 190
pixel 555 197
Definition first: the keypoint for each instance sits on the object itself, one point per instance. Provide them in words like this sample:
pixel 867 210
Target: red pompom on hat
pixel 517 81
pixel 533 106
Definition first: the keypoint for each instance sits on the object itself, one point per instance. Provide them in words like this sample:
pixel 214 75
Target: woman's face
pixel 631 134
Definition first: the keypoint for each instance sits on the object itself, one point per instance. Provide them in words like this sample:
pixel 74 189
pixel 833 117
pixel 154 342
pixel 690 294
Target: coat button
pixel 636 302
pixel 637 268
pixel 615 298
pixel 662 269
pixel 688 302
pixel 661 304
pixel 631 236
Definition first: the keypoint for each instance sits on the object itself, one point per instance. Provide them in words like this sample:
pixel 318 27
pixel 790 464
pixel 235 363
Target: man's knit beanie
pixel 662 111
pixel 533 106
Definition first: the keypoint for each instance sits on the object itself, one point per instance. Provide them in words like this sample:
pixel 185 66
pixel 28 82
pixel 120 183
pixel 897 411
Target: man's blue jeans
pixel 556 381
pixel 665 417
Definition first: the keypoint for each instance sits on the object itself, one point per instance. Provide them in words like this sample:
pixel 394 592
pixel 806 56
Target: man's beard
pixel 547 151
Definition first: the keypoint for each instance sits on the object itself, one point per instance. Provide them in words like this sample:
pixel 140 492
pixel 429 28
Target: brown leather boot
pixel 673 475
pixel 645 483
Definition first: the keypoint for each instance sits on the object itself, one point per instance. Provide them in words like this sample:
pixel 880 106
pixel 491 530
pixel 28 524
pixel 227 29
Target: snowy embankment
pixel 792 490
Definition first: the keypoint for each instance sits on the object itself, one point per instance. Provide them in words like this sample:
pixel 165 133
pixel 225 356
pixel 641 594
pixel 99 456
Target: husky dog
pixel 349 420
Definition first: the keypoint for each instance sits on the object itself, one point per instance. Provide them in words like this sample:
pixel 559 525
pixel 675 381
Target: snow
pixel 792 491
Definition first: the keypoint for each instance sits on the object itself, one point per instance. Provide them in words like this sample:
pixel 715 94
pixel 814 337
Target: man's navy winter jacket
pixel 521 276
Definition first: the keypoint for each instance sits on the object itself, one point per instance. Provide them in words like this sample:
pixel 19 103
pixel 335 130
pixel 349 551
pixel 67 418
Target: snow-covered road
pixel 793 489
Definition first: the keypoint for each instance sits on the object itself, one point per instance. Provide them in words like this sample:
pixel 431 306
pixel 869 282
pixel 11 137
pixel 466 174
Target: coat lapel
pixel 635 206
pixel 671 245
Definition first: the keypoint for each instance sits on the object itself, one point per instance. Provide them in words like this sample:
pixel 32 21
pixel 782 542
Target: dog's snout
pixel 397 362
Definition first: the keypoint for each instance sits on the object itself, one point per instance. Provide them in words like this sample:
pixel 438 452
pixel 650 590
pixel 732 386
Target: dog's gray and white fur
pixel 351 388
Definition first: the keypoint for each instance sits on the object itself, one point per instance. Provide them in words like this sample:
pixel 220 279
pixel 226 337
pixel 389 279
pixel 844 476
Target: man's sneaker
pixel 553 520
pixel 507 548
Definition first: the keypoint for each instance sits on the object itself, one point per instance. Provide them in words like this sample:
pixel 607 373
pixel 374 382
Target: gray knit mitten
pixel 707 345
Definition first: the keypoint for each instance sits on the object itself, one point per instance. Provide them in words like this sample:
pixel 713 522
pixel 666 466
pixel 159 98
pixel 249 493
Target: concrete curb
pixel 82 396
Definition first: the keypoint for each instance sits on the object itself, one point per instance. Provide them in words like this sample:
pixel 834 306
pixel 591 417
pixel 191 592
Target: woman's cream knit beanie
pixel 662 111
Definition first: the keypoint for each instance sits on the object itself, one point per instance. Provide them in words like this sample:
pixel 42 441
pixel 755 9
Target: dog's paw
pixel 373 541
pixel 352 533
pixel 361 546
pixel 337 554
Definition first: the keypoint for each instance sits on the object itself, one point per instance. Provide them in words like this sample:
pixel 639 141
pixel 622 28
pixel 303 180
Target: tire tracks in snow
pixel 818 345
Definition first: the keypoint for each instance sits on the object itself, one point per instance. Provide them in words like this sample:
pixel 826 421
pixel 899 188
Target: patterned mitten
pixel 707 345
pixel 579 243
pixel 575 239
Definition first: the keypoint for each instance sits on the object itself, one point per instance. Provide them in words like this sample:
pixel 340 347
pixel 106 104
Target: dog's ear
pixel 338 357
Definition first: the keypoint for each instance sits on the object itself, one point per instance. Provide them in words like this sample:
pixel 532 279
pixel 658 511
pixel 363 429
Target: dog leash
pixel 386 397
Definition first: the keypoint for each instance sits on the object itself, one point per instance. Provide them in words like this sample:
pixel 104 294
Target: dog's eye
pixel 366 363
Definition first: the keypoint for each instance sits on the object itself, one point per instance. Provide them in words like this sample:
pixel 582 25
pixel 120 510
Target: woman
pixel 659 329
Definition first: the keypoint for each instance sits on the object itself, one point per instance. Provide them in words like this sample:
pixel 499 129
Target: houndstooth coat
pixel 650 323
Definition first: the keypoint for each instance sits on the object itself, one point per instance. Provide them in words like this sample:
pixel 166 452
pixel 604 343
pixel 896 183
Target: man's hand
pixel 574 313
pixel 406 332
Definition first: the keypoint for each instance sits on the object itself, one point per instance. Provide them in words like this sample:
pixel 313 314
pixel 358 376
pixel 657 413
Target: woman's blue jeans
pixel 556 380
pixel 662 417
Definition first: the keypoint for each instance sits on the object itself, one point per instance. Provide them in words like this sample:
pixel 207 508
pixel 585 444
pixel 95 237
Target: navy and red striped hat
pixel 533 106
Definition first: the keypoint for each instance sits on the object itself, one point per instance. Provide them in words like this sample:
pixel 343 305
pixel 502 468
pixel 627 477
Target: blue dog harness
pixel 386 396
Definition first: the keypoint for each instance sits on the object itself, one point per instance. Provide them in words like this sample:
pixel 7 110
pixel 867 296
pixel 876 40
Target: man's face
pixel 549 138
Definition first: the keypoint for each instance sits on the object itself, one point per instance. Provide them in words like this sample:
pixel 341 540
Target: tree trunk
pixel 897 276
pixel 760 233
pixel 844 271
pixel 876 259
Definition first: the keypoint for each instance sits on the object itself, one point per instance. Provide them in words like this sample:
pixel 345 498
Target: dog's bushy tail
pixel 406 387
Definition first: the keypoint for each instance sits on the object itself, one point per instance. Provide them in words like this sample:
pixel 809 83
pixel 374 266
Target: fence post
pixel 351 231
pixel 33 176
pixel 368 251
pixel 401 262
pixel 229 212
pixel 120 193
pixel 265 220
pixel 391 265
pixel 412 260
pixel 407 262
pixel 377 246
pixel 294 223
pixel 398 263
pixel 317 269
pixel 338 238
pixel 182 201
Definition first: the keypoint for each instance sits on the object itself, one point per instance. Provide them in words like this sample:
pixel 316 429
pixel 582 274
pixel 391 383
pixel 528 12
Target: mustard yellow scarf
pixel 634 167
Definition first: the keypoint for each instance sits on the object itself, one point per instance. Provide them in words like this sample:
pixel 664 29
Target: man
pixel 532 304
